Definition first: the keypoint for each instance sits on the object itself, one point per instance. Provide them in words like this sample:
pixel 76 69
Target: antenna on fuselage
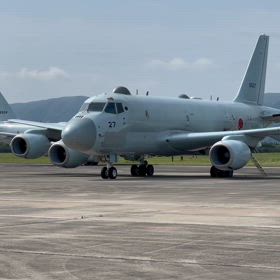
pixel 147 93
pixel 184 96
pixel 136 91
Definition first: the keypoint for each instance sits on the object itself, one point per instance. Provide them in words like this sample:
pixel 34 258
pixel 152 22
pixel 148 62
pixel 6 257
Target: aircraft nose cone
pixel 79 134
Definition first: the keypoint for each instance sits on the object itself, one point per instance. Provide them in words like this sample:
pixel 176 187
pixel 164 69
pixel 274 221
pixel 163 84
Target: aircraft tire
pixel 134 170
pixel 213 172
pixel 142 170
pixel 150 170
pixel 112 173
pixel 217 173
pixel 104 173
pixel 230 174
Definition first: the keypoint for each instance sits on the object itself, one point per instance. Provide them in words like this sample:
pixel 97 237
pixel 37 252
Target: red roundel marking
pixel 240 124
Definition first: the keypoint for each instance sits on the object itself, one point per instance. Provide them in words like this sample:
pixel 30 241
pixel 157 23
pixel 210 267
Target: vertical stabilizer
pixel 252 87
pixel 6 111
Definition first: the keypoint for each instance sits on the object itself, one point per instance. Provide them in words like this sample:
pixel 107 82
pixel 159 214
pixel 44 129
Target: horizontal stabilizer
pixel 6 111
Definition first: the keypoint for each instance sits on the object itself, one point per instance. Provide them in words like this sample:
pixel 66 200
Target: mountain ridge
pixel 59 109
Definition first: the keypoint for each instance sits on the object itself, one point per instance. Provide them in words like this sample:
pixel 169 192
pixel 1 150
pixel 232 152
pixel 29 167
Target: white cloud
pixel 52 73
pixel 178 63
pixel 203 63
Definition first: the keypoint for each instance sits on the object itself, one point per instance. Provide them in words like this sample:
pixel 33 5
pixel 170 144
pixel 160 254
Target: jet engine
pixel 61 155
pixel 29 145
pixel 229 154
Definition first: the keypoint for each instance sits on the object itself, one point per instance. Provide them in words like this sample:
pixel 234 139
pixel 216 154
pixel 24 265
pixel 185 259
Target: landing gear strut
pixel 217 173
pixel 143 169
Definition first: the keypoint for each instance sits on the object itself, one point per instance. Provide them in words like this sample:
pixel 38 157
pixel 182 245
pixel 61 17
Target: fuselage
pixel 143 124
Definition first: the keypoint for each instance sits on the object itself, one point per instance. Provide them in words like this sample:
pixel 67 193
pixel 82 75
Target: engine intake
pixel 62 156
pixel 229 154
pixel 30 145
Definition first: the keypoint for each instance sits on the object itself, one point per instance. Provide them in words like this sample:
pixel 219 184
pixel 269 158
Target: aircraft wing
pixel 51 126
pixel 51 130
pixel 6 137
pixel 200 140
pixel 272 118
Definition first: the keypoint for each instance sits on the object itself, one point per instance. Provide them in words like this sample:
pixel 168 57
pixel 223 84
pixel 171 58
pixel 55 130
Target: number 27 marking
pixel 112 124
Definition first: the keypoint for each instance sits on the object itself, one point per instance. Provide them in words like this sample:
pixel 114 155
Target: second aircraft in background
pixel 30 140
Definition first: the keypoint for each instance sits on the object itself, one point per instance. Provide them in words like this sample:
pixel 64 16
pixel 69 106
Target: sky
pixel 201 48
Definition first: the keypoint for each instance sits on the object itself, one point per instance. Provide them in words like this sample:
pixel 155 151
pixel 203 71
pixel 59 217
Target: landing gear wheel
pixel 213 172
pixel 229 174
pixel 104 173
pixel 134 170
pixel 150 170
pixel 112 172
pixel 142 170
pixel 217 173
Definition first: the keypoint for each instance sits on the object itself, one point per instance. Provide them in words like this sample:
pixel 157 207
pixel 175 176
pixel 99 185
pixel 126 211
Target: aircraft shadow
pixel 127 177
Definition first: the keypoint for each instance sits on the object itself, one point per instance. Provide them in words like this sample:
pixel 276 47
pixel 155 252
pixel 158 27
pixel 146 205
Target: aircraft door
pixel 229 120
pixel 187 118
pixel 114 119
pixel 122 113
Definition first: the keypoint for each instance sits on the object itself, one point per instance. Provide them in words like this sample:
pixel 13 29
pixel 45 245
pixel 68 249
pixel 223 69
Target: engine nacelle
pixel 229 154
pixel 61 155
pixel 30 145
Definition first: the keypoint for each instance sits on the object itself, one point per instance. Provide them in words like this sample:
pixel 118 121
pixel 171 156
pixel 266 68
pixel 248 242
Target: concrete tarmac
pixel 180 224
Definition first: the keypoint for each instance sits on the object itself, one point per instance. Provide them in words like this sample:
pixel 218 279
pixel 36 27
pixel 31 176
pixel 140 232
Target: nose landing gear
pixel 109 173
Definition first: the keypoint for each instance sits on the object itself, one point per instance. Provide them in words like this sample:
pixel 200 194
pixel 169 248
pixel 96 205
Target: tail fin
pixel 252 87
pixel 6 111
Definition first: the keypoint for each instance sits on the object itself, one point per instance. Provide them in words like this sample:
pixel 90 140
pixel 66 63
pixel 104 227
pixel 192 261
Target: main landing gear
pixel 142 170
pixel 217 173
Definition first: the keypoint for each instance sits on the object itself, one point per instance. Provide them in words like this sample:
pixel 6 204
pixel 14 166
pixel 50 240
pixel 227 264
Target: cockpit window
pixel 120 108
pixel 83 107
pixel 110 108
pixel 96 107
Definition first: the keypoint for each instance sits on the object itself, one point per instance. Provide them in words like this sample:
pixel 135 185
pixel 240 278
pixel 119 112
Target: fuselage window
pixel 120 108
pixel 96 107
pixel 110 108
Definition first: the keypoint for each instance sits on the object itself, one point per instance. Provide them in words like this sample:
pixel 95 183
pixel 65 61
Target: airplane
pixel 29 140
pixel 132 126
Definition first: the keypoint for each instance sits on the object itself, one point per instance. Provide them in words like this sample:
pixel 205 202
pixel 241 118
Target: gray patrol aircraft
pixel 134 127
pixel 31 140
